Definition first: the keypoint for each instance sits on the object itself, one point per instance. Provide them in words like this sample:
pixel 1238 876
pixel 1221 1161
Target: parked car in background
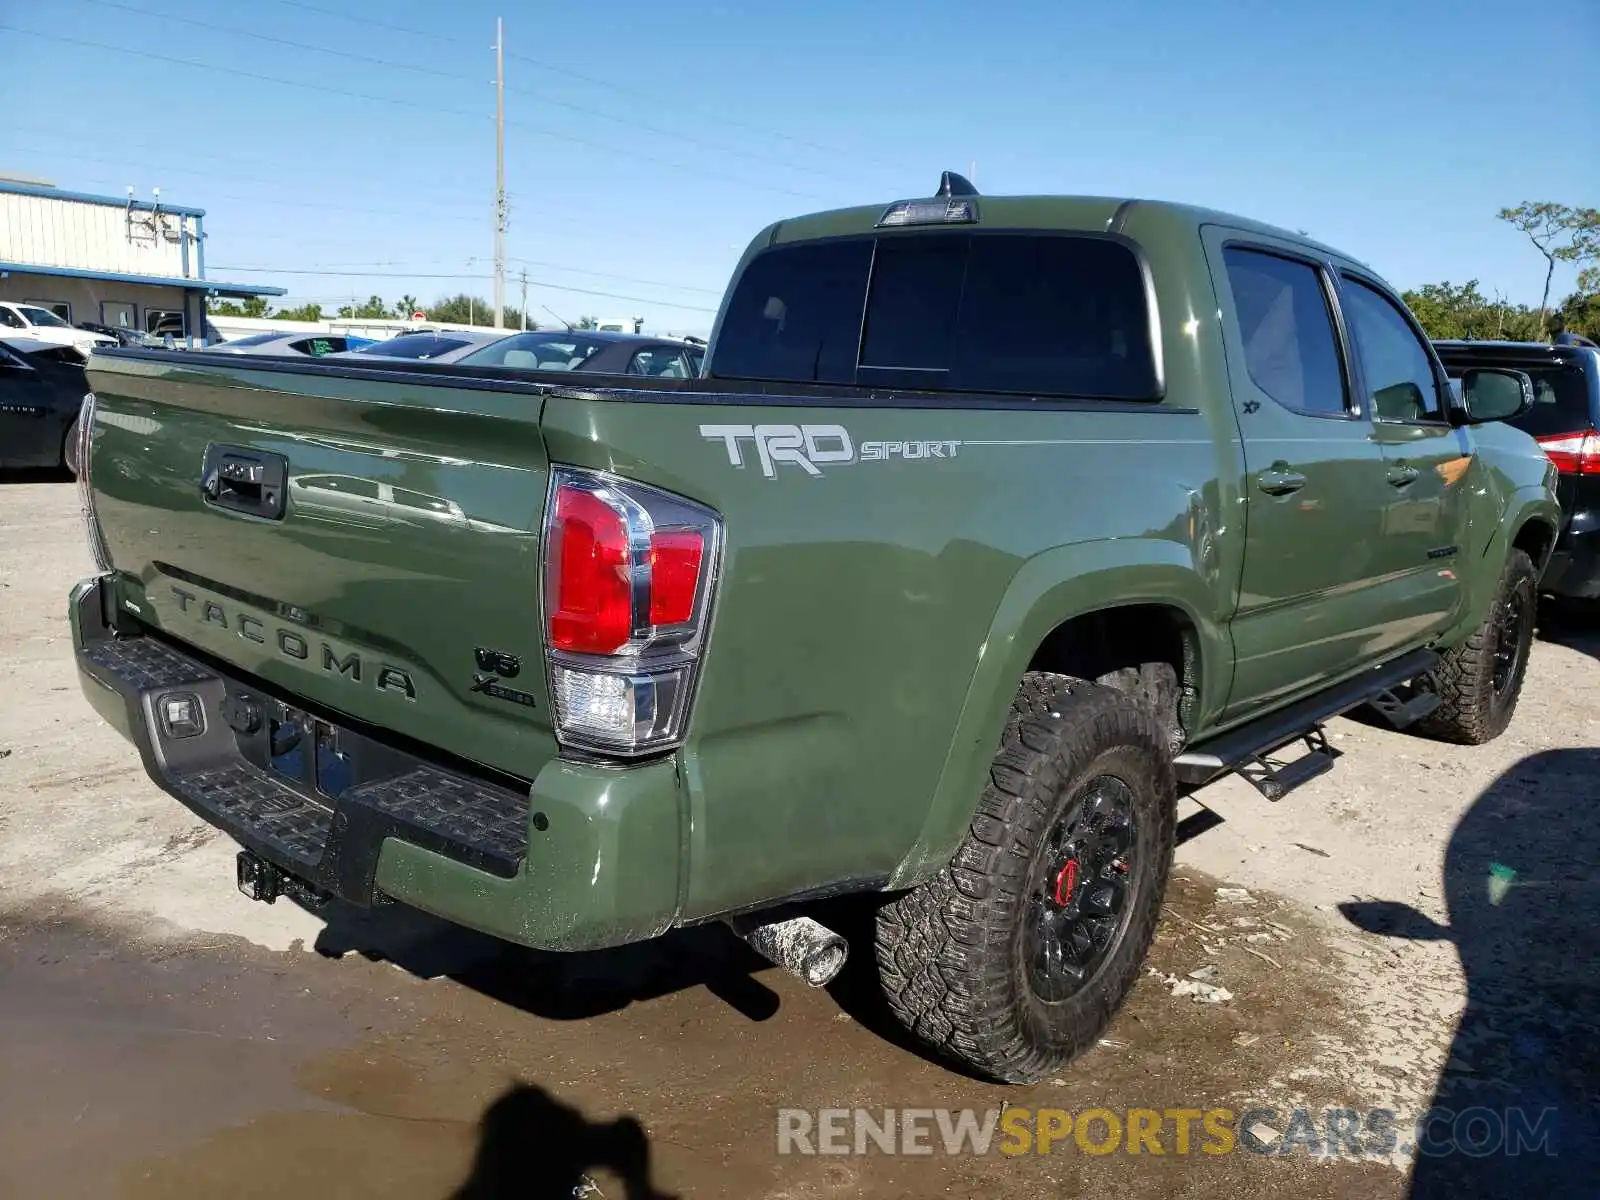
pixel 41 390
pixel 31 321
pixel 1565 420
pixel 430 345
pixel 124 335
pixel 592 351
pixel 313 345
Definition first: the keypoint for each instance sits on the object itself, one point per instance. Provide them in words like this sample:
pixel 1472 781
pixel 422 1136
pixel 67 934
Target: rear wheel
pixel 1480 680
pixel 1015 957
pixel 69 448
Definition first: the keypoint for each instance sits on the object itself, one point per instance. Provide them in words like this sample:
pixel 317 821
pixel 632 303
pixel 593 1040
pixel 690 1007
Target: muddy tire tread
pixel 1464 680
pixel 944 949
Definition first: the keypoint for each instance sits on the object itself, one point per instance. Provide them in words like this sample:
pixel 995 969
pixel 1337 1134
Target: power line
pixel 235 73
pixel 558 287
pixel 628 122
pixel 534 262
pixel 544 219
pixel 329 269
pixel 557 69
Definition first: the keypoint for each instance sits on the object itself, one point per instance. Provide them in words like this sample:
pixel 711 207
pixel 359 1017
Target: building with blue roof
pixel 119 262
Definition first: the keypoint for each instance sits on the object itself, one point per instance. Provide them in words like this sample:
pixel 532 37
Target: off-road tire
pixel 1471 709
pixel 950 952
pixel 69 449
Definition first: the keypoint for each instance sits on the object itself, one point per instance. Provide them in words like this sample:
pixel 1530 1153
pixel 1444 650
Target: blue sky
pixel 646 143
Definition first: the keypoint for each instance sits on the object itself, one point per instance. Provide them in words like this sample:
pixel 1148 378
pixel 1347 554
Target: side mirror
pixel 1492 394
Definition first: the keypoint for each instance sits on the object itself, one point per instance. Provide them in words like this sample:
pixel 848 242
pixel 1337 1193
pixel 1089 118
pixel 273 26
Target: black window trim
pixel 985 399
pixel 1441 380
pixel 1354 407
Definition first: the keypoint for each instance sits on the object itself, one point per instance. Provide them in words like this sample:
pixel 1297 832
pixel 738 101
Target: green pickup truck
pixel 992 524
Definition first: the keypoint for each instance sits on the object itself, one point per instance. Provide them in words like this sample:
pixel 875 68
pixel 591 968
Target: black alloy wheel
pixel 1079 905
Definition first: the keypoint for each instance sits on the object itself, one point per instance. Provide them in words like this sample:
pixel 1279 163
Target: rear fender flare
pixel 1522 506
pixel 1049 589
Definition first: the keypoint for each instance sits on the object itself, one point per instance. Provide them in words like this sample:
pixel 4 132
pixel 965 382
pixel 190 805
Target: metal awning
pixel 215 287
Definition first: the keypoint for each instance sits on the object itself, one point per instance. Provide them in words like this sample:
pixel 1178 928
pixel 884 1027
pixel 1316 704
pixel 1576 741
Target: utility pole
pixel 499 173
pixel 523 307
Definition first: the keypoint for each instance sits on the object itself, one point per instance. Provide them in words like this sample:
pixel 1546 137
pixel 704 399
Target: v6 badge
pixel 493 666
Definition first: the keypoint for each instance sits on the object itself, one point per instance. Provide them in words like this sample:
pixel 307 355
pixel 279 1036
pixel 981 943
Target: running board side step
pixel 1249 744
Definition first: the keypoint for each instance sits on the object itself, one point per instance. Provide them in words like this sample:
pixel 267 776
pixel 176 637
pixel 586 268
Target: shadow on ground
pixel 533 1147
pixel 34 475
pixel 1574 626
pixel 557 987
pixel 581 986
pixel 1517 1109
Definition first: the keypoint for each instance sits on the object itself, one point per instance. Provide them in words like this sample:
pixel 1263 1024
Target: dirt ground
pixel 1417 928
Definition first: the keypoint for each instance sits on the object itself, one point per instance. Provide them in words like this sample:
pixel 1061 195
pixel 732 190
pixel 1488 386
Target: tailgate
pixel 402 550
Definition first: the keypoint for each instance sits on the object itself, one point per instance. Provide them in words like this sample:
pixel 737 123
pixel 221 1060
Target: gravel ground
pixel 1417 927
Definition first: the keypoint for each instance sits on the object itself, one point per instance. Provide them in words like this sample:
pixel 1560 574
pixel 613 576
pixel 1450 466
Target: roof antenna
pixel 951 184
pixel 557 316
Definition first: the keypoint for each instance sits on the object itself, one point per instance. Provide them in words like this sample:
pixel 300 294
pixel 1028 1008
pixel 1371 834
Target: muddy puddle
pixel 406 1059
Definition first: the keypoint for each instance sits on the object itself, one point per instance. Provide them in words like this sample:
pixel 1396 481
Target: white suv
pixel 29 320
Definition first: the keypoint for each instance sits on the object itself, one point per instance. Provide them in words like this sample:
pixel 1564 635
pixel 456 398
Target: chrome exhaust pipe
pixel 803 947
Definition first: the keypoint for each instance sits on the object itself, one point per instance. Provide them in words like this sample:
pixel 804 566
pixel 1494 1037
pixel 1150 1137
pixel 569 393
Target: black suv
pixel 1565 419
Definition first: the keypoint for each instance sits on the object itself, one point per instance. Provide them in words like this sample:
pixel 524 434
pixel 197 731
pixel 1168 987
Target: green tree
pixel 586 323
pixel 253 306
pixel 462 309
pixel 405 306
pixel 306 312
pixel 1560 234
pixel 1448 310
pixel 1579 313
pixel 373 306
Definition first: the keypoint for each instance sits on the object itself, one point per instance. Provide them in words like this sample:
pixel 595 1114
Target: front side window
pixel 1287 329
pixel 1399 372
pixel 44 317
pixel 10 319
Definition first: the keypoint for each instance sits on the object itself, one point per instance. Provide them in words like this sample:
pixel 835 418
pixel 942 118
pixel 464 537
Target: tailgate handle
pixel 245 481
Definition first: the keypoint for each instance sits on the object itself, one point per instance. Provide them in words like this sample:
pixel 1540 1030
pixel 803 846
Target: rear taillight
pixel 1574 453
pixel 83 455
pixel 629 573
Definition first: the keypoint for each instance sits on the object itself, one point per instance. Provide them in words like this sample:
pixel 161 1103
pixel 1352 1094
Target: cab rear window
pixel 1031 314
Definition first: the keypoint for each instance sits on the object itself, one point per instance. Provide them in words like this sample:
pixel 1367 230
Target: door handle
pixel 1403 476
pixel 1280 480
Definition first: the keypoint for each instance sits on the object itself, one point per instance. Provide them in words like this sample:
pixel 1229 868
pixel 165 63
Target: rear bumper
pixel 1574 567
pixel 585 856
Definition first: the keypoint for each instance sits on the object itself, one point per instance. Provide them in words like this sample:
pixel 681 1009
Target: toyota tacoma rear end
pixel 991 522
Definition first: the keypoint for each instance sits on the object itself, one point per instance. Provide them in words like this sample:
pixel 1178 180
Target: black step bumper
pixel 315 798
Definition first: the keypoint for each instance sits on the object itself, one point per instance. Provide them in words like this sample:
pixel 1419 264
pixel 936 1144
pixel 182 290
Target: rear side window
pixel 1287 330
pixel 1018 313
